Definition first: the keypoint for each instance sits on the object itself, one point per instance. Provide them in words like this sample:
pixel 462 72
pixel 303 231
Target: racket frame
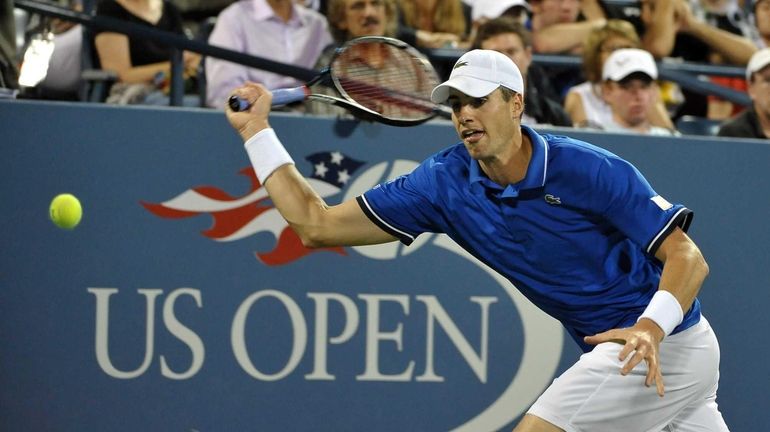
pixel 285 96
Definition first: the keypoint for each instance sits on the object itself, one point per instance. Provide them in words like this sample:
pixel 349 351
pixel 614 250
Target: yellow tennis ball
pixel 66 211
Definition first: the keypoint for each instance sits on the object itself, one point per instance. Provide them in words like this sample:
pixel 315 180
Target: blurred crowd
pixel 617 87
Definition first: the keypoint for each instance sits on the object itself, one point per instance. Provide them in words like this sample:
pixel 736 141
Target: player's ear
pixel 517 105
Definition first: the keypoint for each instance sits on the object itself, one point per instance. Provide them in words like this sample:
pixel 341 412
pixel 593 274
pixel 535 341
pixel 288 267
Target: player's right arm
pixel 316 223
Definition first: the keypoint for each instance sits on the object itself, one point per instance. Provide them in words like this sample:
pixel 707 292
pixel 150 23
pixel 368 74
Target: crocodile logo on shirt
pixel 553 200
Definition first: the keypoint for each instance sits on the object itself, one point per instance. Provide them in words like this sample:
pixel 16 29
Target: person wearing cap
pixel 629 88
pixel 754 122
pixel 585 102
pixel 575 228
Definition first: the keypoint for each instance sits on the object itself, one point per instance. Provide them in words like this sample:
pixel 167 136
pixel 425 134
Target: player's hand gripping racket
pixel 380 79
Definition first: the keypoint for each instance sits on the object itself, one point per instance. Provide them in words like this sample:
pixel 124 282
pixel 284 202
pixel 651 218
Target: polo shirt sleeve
pixel 628 201
pixel 403 207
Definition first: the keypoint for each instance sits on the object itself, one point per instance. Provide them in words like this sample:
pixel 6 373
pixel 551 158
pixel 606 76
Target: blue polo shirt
pixel 577 236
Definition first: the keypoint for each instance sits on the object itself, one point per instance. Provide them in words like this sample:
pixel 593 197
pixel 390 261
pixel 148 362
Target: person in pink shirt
pixel 279 30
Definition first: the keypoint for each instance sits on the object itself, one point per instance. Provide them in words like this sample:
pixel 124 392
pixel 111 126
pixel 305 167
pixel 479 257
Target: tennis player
pixel 574 227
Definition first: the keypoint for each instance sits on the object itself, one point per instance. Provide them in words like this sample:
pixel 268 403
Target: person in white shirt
pixel 277 30
pixel 585 102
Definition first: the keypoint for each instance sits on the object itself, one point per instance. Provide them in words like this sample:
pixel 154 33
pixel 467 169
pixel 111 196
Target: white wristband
pixel 267 153
pixel 665 310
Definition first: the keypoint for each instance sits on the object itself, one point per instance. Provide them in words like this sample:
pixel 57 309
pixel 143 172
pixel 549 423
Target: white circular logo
pixel 543 335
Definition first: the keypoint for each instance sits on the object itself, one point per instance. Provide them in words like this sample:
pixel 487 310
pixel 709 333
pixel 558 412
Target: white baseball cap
pixel 758 61
pixel 494 8
pixel 623 62
pixel 478 73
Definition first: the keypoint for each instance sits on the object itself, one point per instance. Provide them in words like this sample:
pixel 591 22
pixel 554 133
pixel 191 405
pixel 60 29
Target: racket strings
pixel 390 81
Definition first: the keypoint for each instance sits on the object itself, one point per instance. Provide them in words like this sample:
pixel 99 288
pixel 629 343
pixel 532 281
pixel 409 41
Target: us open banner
pixel 183 301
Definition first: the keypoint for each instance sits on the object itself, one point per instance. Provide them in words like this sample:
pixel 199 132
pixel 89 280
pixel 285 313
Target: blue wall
pixel 182 303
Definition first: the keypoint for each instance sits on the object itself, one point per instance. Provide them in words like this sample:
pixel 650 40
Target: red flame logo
pixel 238 217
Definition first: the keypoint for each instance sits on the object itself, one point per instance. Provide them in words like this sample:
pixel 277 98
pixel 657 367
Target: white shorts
pixel 592 395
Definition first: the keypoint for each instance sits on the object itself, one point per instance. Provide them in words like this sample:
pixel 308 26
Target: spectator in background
pixel 754 122
pixel 274 29
pixel 350 19
pixel 731 17
pixel 671 29
pixel 512 39
pixel 65 67
pixel 585 103
pixel 141 63
pixel 630 90
pixel 558 27
pixel 434 23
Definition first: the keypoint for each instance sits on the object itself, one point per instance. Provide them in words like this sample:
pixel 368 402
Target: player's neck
pixel 510 167
pixel 282 8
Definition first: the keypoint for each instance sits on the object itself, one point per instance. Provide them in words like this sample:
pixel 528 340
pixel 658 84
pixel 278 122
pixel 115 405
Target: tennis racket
pixel 379 78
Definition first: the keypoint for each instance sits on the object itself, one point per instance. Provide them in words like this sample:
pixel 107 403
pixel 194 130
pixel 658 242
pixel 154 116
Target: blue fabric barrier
pixel 182 302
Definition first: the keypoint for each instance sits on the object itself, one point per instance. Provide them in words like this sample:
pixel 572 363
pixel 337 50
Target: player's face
pixel 364 18
pixel 486 125
pixel 630 100
pixel 759 90
pixel 556 11
pixel 512 46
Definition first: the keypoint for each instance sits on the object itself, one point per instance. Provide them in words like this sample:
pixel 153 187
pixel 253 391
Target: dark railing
pixel 685 74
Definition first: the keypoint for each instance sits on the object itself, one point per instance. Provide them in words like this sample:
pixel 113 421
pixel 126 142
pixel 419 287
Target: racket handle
pixel 238 104
pixel 289 95
pixel 280 97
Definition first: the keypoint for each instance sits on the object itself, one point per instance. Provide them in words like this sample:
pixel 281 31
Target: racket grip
pixel 238 104
pixel 280 97
pixel 289 95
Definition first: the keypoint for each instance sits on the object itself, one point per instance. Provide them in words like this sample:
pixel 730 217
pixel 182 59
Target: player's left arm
pixel 684 270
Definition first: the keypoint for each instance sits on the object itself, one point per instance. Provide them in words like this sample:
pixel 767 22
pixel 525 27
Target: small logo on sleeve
pixel 661 202
pixel 553 200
